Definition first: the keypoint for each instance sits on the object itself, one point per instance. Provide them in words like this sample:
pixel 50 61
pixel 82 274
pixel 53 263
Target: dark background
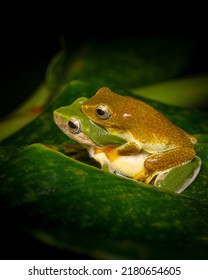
pixel 29 41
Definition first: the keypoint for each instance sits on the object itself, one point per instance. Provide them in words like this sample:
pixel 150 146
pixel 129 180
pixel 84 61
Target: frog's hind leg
pixel 180 177
pixel 169 159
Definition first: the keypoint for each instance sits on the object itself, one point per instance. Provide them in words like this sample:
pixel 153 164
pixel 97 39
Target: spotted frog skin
pixel 146 131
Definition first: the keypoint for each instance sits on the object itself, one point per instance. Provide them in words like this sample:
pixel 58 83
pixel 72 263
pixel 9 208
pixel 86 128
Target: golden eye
pixel 74 125
pixel 103 112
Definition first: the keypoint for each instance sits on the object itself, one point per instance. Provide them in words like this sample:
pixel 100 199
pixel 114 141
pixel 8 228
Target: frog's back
pixel 142 121
pixel 149 125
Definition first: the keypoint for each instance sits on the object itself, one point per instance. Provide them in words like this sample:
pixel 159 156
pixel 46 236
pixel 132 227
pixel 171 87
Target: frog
pixel 146 131
pixel 96 139
pixel 99 143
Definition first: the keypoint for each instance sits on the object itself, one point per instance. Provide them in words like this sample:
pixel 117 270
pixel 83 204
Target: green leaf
pixel 188 92
pixel 128 63
pixel 61 195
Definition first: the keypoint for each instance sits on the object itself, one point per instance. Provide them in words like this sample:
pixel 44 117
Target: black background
pixel 30 39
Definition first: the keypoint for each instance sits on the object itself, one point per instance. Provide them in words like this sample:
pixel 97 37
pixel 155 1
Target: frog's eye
pixel 103 112
pixel 74 125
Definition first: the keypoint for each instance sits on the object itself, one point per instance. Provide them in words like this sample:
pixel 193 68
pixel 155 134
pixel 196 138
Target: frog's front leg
pixel 128 149
pixel 126 160
pixel 117 159
pixel 168 159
